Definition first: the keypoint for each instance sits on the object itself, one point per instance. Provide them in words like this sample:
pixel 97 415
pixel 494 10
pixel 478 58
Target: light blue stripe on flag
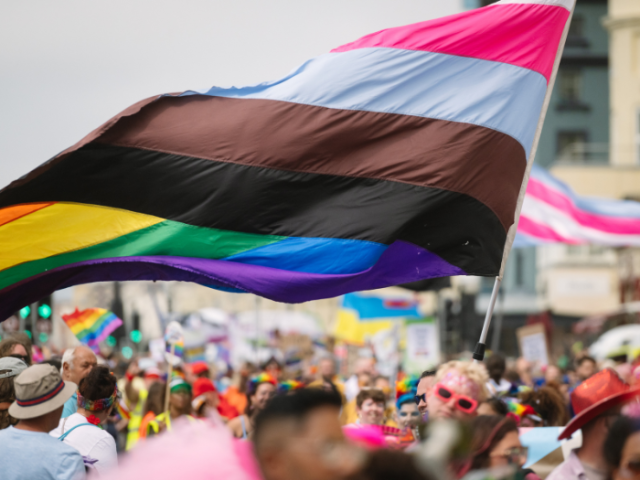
pixel 370 307
pixel 491 94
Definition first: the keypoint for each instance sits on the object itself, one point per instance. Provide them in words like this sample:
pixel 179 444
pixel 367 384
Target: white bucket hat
pixel 39 390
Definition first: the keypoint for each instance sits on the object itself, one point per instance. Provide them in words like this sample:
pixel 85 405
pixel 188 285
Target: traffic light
pixel 25 311
pixel 136 336
pixel 44 307
pixel 43 327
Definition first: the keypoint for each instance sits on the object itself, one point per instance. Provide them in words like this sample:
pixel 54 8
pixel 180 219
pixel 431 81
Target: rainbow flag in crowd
pixel 553 213
pixel 178 350
pixel 395 158
pixel 93 325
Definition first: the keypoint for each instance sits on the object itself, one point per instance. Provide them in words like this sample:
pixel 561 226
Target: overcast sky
pixel 68 66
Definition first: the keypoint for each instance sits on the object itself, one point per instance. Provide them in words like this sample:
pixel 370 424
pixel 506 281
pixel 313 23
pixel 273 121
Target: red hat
pixel 203 385
pixel 596 395
pixel 199 367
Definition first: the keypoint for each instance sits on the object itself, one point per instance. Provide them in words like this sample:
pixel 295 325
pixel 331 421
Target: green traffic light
pixel 43 337
pixel 28 332
pixel 127 352
pixel 111 341
pixel 136 336
pixel 44 310
pixel 25 311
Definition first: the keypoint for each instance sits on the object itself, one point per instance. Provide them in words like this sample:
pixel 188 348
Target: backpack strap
pixel 65 434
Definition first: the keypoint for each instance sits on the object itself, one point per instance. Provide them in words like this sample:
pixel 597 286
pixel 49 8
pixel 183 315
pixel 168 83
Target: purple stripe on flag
pixel 402 262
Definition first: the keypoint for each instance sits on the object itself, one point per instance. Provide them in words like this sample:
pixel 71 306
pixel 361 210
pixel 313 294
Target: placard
pixel 533 343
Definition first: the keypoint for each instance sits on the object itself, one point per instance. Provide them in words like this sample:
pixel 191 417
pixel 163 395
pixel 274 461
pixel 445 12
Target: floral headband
pixel 97 405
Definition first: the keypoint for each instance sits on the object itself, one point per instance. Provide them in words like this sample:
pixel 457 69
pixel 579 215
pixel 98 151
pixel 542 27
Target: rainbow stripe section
pixel 392 159
pixel 178 349
pixel 553 213
pixel 93 325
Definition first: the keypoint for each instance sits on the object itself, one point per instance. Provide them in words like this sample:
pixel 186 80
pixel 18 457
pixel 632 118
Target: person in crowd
pixel 524 370
pixel 97 394
pixel 553 375
pixel 495 443
pixel 153 406
pixel 298 437
pixel 236 394
pixel 459 389
pixel 9 369
pixel 327 376
pixel 585 367
pixel 260 389
pixel 597 402
pixel 180 393
pixel 206 401
pixel 77 362
pixel 493 406
pixel 407 415
pixel 136 390
pixel 549 407
pixel 197 369
pixel 27 451
pixel 16 347
pixel 425 383
pixel 622 449
pixel 362 377
pixel 370 406
pixel 273 368
pixel 496 367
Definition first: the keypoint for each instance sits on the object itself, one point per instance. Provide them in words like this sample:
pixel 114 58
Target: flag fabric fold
pixel 392 159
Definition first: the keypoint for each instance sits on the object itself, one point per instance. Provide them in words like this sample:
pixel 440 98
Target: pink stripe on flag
pixel 525 35
pixel 542 232
pixel 609 224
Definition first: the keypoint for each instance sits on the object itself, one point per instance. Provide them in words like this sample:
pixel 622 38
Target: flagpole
pixel 478 354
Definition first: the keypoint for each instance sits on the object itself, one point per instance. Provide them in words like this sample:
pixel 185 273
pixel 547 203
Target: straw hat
pixel 39 390
pixel 596 395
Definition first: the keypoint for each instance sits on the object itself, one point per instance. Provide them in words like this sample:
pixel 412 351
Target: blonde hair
pixel 476 372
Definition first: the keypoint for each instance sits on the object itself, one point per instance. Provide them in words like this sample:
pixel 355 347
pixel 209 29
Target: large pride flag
pixel 392 159
pixel 553 213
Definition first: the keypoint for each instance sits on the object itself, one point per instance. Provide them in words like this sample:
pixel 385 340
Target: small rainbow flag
pixel 179 348
pixel 123 410
pixel 93 325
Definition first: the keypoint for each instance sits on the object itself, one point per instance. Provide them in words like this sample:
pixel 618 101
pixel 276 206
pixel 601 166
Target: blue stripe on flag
pixel 370 307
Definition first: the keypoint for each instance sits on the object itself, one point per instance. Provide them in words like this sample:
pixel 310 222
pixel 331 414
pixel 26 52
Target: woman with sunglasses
pixel 16 348
pixel 495 444
pixel 459 388
pixel 622 449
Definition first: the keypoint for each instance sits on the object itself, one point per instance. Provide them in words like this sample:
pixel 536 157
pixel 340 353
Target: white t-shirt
pixel 89 440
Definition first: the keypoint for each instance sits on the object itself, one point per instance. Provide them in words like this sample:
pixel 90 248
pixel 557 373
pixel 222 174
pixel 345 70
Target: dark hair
pixel 428 373
pixel 498 406
pixel 384 464
pixel 585 358
pixel 55 362
pixel 99 383
pixel 486 432
pixel 7 345
pixel 496 366
pixel 370 393
pixel 295 406
pixel 7 394
pixel 155 399
pixel 549 404
pixel 618 434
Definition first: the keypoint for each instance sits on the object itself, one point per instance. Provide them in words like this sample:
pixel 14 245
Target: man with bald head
pixel 77 362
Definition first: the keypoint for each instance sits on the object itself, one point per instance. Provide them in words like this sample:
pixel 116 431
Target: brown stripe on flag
pixel 480 162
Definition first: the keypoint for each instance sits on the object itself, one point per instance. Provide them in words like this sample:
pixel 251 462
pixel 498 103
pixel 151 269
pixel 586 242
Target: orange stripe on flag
pixel 10 214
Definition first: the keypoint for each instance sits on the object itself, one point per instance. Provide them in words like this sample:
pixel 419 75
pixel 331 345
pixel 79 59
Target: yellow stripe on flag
pixel 65 227
pixel 349 329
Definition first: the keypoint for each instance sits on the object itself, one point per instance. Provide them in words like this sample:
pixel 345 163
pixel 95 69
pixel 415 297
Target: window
pixel 571 146
pixel 576 36
pixel 570 85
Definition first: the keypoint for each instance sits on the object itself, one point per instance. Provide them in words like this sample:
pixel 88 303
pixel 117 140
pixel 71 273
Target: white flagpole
pixel 478 354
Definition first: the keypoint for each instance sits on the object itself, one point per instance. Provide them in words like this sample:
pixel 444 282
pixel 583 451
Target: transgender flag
pixel 392 159
pixel 553 213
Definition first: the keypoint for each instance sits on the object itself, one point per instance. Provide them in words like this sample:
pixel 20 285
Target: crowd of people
pixel 72 417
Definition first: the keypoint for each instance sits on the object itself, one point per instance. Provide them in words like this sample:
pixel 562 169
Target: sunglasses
pixel 462 402
pixel 420 398
pixel 24 358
